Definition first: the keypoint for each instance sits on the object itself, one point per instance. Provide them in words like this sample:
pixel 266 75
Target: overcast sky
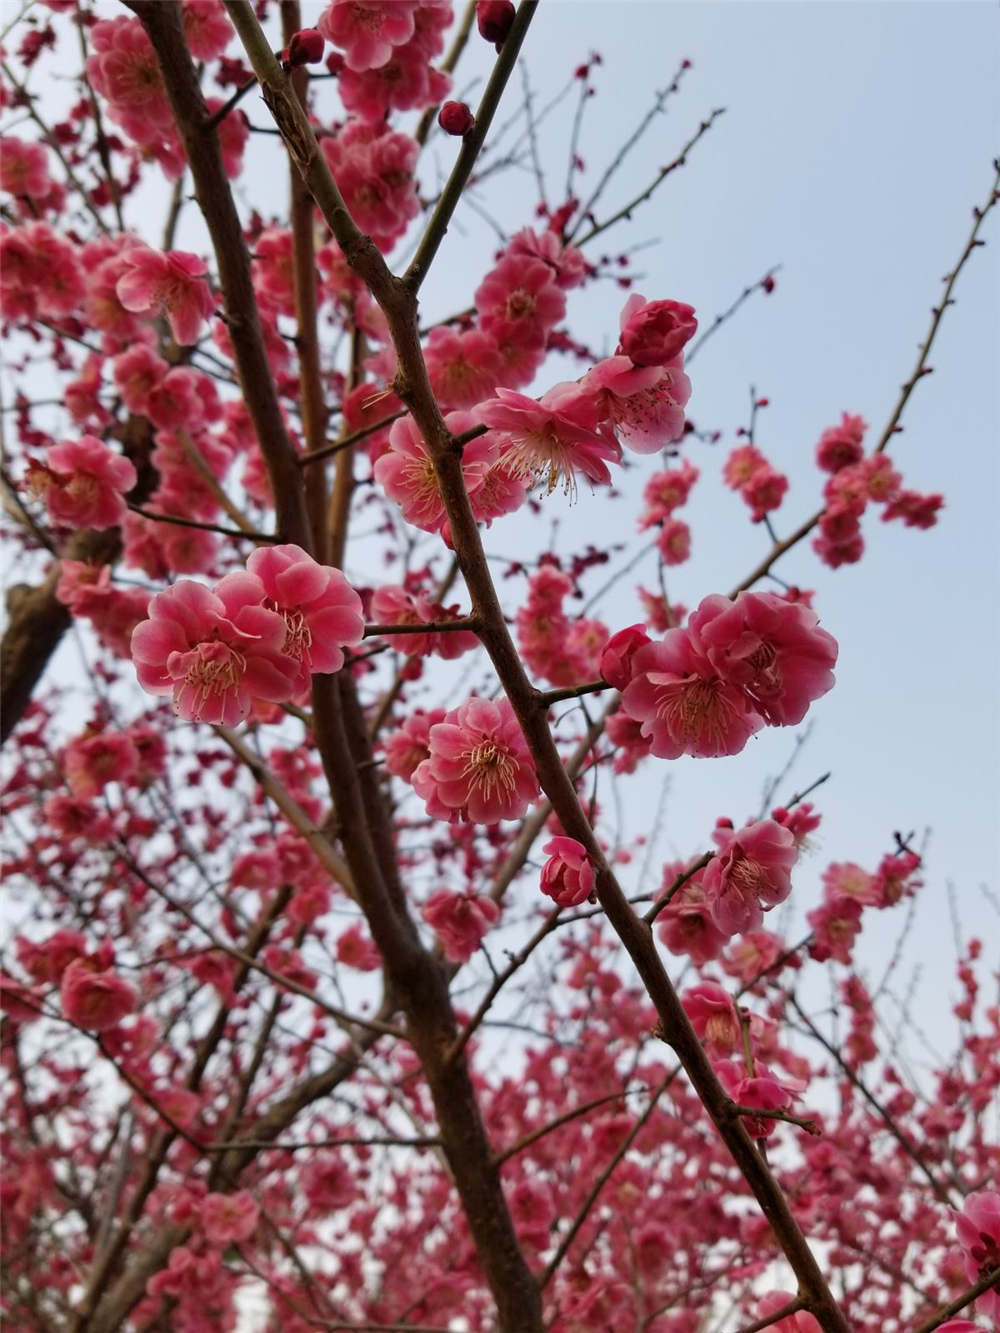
pixel 856 139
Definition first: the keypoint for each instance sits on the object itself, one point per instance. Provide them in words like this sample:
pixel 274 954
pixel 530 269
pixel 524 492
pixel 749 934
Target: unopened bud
pixel 456 118
pixel 305 48
pixel 494 18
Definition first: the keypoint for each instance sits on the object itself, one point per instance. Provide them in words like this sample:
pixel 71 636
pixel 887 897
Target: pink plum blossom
pixel 835 925
pixel 479 767
pixel 90 762
pixel 173 284
pixel 978 1226
pixel 407 748
pixel 773 649
pixel 191 648
pixel 568 874
pixel 619 653
pixel 749 874
pixel 684 704
pixel 84 483
pixel 367 30
pixel 685 925
pixel 519 298
pixel 320 609
pixel 642 405
pixel 460 920
pixel 761 1090
pixel 24 168
pixel 95 1000
pixel 407 474
pixel 713 1016
pixel 229 1218
pixel 550 439
pixel 840 446
pixel 655 332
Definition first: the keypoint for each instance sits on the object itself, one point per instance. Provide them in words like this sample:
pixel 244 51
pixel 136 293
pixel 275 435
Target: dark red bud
pixel 494 18
pixel 768 284
pixel 306 47
pixel 456 118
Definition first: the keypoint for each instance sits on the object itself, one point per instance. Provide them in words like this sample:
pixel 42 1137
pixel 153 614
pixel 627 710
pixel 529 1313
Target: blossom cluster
pixel 856 481
pixel 756 480
pixel 478 766
pixel 256 636
pixel 575 427
pixel 737 665
pixel 564 651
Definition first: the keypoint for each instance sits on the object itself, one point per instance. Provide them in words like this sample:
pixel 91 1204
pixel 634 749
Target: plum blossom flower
pixel 643 405
pixel 173 283
pixel 228 1218
pixel 713 1016
pixel 191 648
pixel 367 30
pixel 978 1226
pixel 407 748
pixel 916 510
pixel 684 704
pixel 840 446
pixel 479 767
pixel 750 873
pixel 568 874
pixel 94 1000
pixel 520 298
pixel 835 925
pixel 460 920
pixel 24 168
pixel 407 473
pixel 321 611
pixel 772 648
pixel 619 654
pixel 655 332
pixel 551 439
pixel 91 761
pixel 84 483
pixel 686 925
pixel 761 1090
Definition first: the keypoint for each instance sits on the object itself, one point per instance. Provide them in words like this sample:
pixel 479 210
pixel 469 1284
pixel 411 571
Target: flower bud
pixel 620 649
pixel 456 118
pixel 305 48
pixel 567 876
pixel 494 18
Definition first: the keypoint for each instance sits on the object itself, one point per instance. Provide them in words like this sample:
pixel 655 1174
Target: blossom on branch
pixel 479 767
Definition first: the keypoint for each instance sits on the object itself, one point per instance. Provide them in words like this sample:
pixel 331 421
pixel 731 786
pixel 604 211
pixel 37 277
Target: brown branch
pixel 919 371
pixel 585 1208
pixel 988 1280
pixel 650 190
pixel 791 1307
pixel 345 441
pixel 937 313
pixel 471 145
pixel 904 1141
pixel 448 65
pixel 315 412
pixel 162 21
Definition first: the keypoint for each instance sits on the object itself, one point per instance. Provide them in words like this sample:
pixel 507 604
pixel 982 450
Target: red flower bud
pixel 305 48
pixel 494 18
pixel 768 285
pixel 456 118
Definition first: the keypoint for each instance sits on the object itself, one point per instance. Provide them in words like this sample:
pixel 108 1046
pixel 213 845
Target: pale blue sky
pixel 856 140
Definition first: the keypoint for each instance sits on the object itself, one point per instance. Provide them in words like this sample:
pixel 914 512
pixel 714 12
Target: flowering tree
pixel 328 982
